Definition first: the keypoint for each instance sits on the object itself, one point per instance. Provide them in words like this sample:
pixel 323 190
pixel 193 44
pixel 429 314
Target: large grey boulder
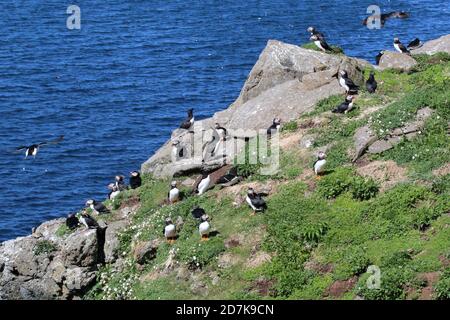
pixel 441 44
pixel 286 82
pixel 81 248
pixel 112 239
pixel 397 61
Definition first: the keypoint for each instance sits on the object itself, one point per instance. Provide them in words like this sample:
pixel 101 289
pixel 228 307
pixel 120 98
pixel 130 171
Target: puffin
pixel 229 176
pixel 347 83
pixel 400 47
pixel 177 152
pixel 345 106
pixel 72 221
pixel 314 32
pixel 378 57
pixel 255 200
pixel 174 194
pixel 274 127
pixel 204 184
pixel 32 150
pixel 170 231
pixel 135 179
pixel 189 121
pixel 320 43
pixel 371 83
pixel 120 183
pixel 415 44
pixel 319 165
pixel 114 191
pixel 204 227
pixel 197 212
pixel 97 207
pixel 88 221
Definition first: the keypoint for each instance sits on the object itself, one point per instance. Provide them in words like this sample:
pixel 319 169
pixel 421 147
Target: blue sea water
pixel 117 87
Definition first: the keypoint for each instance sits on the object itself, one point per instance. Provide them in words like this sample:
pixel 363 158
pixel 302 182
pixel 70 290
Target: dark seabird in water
pixel 33 149
pixel 371 83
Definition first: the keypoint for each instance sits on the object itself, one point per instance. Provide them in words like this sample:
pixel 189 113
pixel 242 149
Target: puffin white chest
pixel 397 47
pixel 170 231
pixel 319 166
pixel 114 194
pixel 343 84
pixel 349 108
pixel 192 121
pixel 204 227
pixel 319 45
pixel 174 194
pixel 204 185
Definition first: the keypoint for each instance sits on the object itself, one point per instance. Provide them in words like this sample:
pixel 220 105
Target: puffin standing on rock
pixel 371 83
pixel 88 221
pixel 97 207
pixel 345 106
pixel 314 32
pixel 400 47
pixel 170 231
pixel 72 221
pixel 319 165
pixel 204 227
pixel 320 43
pixel 347 83
pixel 174 194
pixel 189 121
pixel 276 124
pixel 378 57
pixel 255 201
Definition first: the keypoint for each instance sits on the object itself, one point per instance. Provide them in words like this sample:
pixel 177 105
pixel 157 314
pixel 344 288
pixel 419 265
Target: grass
pixel 316 232
pixel 44 247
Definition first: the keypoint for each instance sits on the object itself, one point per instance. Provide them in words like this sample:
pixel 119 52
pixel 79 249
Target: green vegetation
pixel 312 46
pixel 44 247
pixel 314 232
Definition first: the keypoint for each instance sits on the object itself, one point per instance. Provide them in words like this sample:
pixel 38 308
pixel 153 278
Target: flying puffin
pixel 345 106
pixel 97 207
pixel 320 43
pixel 72 221
pixel 114 191
pixel 319 165
pixel 170 231
pixel 371 83
pixel 135 179
pixel 204 185
pixel 274 127
pixel 255 200
pixel 197 212
pixel 33 149
pixel 189 121
pixel 88 221
pixel 400 47
pixel 174 194
pixel 314 32
pixel 204 227
pixel 378 57
pixel 347 83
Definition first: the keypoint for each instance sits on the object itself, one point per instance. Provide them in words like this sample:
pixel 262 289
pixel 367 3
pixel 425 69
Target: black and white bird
pixel 33 149
pixel 97 207
pixel 204 184
pixel 255 200
pixel 274 127
pixel 204 227
pixel 120 183
pixel 400 47
pixel 189 121
pixel 415 44
pixel 197 212
pixel 135 179
pixel 320 43
pixel 347 83
pixel 177 150
pixel 319 165
pixel 231 175
pixel 221 131
pixel 313 32
pixel 371 83
pixel 88 221
pixel 170 231
pixel 72 221
pixel 174 194
pixel 378 57
pixel 345 106
pixel 113 191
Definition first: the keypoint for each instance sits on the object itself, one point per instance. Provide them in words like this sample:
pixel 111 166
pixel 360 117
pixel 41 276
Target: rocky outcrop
pixel 397 61
pixel 285 82
pixel 441 44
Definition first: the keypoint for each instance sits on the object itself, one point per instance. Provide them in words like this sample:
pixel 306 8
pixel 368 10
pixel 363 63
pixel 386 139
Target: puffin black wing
pixel 325 45
pixel 341 108
pixel 378 58
pixel 414 44
pixel 56 141
pixel 100 207
pixel 197 213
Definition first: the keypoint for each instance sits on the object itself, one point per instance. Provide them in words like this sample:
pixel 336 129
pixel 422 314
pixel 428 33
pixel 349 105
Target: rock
pixel 363 138
pixel 379 146
pixel 81 248
pixel 112 240
pixel 145 251
pixel 441 44
pixel 307 141
pixel 199 288
pixel 189 182
pixel 79 280
pixel 48 229
pixel 397 61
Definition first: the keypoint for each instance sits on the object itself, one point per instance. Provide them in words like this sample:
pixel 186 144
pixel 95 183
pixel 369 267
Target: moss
pixel 44 247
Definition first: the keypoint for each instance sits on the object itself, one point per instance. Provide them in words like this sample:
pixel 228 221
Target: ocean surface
pixel 117 87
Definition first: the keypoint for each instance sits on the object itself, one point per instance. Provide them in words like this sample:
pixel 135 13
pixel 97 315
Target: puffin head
pixel 168 221
pixel 111 186
pixel 135 173
pixel 396 40
pixel 349 98
pixel 343 73
pixel 321 155
pixel 90 202
pixel 250 191
pixel 204 218
pixel 173 184
pixel 119 178
pixel 311 29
